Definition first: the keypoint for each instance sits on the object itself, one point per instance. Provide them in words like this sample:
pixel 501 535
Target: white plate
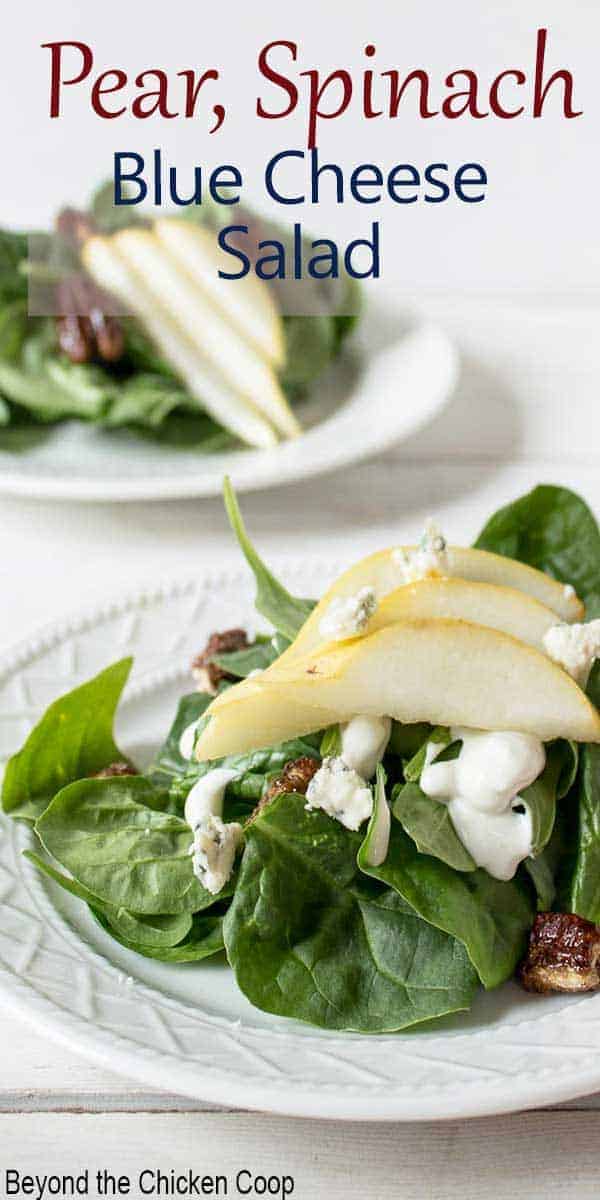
pixel 389 381
pixel 188 1029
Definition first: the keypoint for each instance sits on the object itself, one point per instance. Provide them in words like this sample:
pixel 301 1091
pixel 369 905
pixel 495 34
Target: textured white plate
pixel 390 380
pixel 188 1029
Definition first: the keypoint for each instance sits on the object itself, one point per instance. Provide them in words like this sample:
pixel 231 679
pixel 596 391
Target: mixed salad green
pixel 156 371
pixel 311 928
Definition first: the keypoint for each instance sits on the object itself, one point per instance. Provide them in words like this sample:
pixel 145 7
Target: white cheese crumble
pixel 214 849
pixel 215 843
pixel 341 793
pixel 348 616
pixel 481 788
pixel 569 592
pixel 574 647
pixel 429 560
pixel 364 742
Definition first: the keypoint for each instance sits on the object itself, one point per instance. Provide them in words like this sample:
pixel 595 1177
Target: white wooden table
pixel 526 411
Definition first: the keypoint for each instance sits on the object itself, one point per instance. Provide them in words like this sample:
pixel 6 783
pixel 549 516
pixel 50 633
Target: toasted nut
pixel 208 674
pixel 295 777
pixel 115 771
pixel 75 338
pixel 108 332
pixel 563 955
pixel 85 329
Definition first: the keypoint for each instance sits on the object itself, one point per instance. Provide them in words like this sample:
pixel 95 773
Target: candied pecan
pixel 208 674
pixel 86 330
pixel 295 777
pixel 115 771
pixel 75 338
pixel 563 955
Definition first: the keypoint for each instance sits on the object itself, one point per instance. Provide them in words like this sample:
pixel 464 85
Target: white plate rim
pixel 557 1076
pixel 325 448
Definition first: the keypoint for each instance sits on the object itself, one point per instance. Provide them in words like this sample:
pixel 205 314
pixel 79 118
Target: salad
pixel 146 335
pixel 385 803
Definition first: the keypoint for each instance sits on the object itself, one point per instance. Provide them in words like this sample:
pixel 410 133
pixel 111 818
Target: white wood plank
pixel 556 1153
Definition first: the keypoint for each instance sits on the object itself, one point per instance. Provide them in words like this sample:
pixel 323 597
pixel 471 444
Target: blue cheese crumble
pixel 348 616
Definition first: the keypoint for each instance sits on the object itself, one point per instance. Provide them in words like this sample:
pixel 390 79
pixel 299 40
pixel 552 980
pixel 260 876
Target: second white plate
pixel 387 384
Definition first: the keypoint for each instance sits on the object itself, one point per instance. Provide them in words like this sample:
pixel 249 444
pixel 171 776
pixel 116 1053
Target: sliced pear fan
pixel 503 608
pixel 445 672
pixel 240 365
pixel 247 302
pixel 381 572
pixel 107 266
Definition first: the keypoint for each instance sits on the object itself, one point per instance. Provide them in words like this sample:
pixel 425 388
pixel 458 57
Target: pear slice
pixel 445 672
pixel 381 572
pixel 110 271
pixel 247 302
pixel 205 326
pixel 265 720
pixel 503 608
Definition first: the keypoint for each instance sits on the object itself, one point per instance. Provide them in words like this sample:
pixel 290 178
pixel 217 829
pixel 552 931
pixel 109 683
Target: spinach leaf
pixel 307 938
pixel 257 657
pixel 311 345
pixel 331 742
pixel 428 823
pixel 541 796
pixel 55 388
pixel 108 216
pixel 406 740
pixel 584 889
pixel 254 771
pixel 285 612
pixel 541 873
pixel 490 918
pixel 204 939
pixel 551 528
pixel 130 855
pixel 154 931
pixel 414 768
pixel 168 762
pixel 73 740
pixel 14 326
pixel 146 400
pixel 14 248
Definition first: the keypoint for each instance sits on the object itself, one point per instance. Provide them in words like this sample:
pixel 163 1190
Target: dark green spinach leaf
pixel 553 529
pixel 130 855
pixel 307 938
pixel 73 740
pixel 150 931
pixel 286 613
pixel 428 823
pixel 490 918
pixel 583 895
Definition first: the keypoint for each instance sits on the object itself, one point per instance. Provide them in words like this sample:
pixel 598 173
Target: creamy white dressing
pixel 187 740
pixel 481 788
pixel 215 843
pixel 574 647
pixel 207 796
pixel 348 616
pixel 364 742
pixel 341 793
